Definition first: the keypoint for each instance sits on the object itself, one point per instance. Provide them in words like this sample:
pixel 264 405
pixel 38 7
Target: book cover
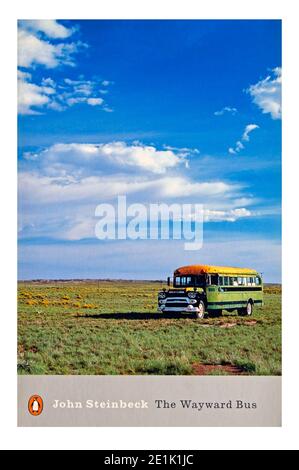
pixel 149 255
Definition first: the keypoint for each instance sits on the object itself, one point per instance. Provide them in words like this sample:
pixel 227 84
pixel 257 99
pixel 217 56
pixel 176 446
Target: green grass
pixel 113 328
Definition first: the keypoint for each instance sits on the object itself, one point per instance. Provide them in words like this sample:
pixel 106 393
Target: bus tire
pixel 201 310
pixel 247 311
pixel 249 308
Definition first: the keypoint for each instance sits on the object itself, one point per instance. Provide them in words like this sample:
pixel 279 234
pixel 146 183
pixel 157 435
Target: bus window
pixel 240 281
pixel 226 283
pixel 189 281
pixel 221 281
pixel 200 281
pixel 257 281
pixel 186 281
pixel 235 281
pixel 231 281
pixel 214 279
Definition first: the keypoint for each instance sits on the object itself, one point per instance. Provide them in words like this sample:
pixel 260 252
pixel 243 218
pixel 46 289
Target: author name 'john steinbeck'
pixel 159 404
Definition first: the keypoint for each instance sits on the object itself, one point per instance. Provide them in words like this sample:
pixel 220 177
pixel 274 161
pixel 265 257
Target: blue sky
pixel 163 111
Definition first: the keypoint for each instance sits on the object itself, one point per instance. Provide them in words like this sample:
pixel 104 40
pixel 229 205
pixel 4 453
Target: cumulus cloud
pixel 95 101
pixel 266 94
pixel 78 159
pixel 60 186
pixel 239 145
pixel 226 109
pixel 44 43
pixel 76 226
pixel 34 50
pixel 64 207
pixel 249 128
pixel 226 215
pixel 35 189
pixel 50 28
pixel 34 98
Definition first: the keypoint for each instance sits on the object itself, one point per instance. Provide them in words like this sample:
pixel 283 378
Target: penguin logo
pixel 35 405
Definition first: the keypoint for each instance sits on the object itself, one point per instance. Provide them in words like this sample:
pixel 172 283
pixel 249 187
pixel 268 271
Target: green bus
pixel 203 289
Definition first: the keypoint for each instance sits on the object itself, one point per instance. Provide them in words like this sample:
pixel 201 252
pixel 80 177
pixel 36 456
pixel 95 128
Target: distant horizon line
pixel 108 279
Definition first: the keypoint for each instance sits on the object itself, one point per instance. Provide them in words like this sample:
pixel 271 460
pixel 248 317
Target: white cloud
pixel 226 109
pixel 266 94
pixel 226 215
pixel 50 28
pixel 79 227
pixel 35 189
pixel 42 43
pixel 249 128
pixel 32 96
pixel 33 50
pixel 93 158
pixel 107 109
pixel 63 207
pixel 245 138
pixel 60 186
pixel 95 101
pixel 183 150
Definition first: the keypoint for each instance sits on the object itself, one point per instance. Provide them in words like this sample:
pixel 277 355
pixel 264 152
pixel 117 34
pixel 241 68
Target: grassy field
pixel 82 327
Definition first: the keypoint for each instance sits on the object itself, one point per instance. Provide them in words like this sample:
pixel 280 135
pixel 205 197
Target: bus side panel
pixel 231 297
pixel 220 299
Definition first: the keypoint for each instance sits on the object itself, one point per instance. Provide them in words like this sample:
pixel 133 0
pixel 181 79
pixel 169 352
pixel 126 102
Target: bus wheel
pixel 201 310
pixel 247 310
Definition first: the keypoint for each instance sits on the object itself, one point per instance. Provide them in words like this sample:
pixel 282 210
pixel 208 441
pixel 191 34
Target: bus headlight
pixel 192 295
pixel 162 295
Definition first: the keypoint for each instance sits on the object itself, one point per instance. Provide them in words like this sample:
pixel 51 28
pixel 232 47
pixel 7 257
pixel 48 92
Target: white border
pixel 151 438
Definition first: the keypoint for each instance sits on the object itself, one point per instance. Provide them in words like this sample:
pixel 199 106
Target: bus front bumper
pixel 169 309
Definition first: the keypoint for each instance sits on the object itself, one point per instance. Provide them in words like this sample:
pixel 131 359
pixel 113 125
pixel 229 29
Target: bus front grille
pixel 176 302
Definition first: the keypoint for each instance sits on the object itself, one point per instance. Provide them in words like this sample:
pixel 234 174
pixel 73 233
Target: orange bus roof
pixel 196 269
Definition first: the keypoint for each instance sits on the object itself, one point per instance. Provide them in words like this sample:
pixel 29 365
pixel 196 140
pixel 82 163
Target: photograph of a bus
pixel 208 290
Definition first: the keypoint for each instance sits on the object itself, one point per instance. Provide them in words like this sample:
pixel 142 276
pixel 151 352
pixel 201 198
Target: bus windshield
pixel 189 281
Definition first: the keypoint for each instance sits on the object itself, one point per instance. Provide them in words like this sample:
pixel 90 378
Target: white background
pixel 150 438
